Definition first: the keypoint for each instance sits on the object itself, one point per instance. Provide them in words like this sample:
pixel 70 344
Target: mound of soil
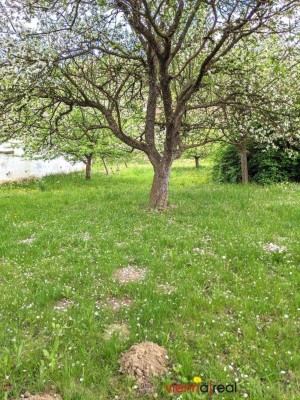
pixel 143 361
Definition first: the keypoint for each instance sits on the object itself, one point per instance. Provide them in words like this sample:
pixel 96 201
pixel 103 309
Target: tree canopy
pixel 154 70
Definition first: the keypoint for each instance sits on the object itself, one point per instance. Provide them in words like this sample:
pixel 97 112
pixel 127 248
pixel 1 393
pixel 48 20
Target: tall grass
pixel 231 315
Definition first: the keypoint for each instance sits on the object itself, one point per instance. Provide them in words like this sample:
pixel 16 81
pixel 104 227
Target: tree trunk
pixel 160 187
pixel 7 152
pixel 197 161
pixel 118 166
pixel 244 163
pixel 126 165
pixel 105 166
pixel 88 167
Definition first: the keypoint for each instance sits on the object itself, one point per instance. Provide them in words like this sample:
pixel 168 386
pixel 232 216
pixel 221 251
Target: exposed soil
pixel 202 251
pixel 63 305
pixel 116 303
pixel 199 250
pixel 121 330
pixel 130 274
pixel 120 244
pixel 274 248
pixel 166 288
pixel 41 396
pixel 143 361
pixel 27 241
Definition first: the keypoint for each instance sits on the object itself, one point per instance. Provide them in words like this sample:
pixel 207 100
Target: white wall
pixel 14 166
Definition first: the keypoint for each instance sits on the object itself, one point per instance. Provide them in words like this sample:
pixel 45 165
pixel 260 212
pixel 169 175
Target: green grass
pixel 232 317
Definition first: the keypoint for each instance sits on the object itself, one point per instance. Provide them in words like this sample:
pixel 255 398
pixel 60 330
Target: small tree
pixel 199 152
pixel 263 107
pixel 77 134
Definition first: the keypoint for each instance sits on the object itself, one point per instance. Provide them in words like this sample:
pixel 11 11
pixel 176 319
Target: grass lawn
pixel 229 313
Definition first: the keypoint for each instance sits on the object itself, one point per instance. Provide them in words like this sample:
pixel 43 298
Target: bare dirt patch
pixel 274 248
pixel 28 240
pixel 166 288
pixel 115 303
pixel 121 330
pixel 63 305
pixel 203 251
pixel 41 396
pixel 142 362
pixel 199 250
pixel 138 230
pixel 120 244
pixel 130 274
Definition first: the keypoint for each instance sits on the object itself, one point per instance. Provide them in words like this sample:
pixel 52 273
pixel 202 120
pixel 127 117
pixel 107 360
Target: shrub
pixel 265 165
pixel 227 165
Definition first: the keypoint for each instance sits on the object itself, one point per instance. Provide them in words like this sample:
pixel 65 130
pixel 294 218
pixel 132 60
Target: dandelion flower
pixel 197 379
